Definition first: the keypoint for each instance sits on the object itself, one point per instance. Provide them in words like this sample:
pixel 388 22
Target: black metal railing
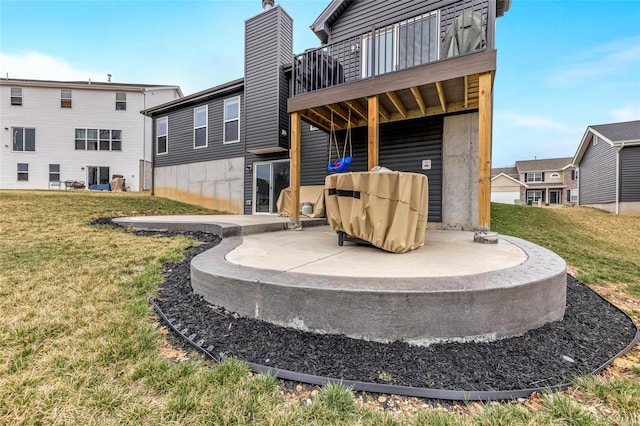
pixel 455 29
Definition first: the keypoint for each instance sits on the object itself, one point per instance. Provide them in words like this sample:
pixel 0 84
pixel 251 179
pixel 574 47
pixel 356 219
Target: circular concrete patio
pixel 451 289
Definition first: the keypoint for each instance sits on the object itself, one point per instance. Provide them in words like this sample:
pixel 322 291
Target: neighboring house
pixel 57 131
pixel 609 162
pixel 410 81
pixel 506 187
pixel 552 181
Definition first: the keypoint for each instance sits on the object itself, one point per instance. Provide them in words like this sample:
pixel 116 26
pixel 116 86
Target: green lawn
pixel 79 343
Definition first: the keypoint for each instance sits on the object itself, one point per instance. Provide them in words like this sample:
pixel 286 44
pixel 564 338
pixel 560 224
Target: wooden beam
pixel 374 131
pixel 357 108
pixel 321 112
pixel 395 100
pixel 466 91
pixel 443 100
pixel 383 112
pixel 295 167
pixel 316 121
pixel 418 97
pixel 484 151
pixel 342 113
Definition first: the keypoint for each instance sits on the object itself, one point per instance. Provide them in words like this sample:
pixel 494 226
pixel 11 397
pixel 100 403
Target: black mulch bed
pixel 591 333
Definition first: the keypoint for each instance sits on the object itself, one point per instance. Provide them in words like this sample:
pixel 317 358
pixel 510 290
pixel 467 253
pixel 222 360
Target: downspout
pixel 144 139
pixel 618 177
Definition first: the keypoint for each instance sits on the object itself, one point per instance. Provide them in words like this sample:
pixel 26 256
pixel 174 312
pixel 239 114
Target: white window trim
pixel 555 175
pixel 124 102
pixel 225 121
pixel 70 98
pixel 531 177
pixel 22 172
pixel 11 96
pixel 365 62
pixel 166 120
pixel 206 126
pixel 23 151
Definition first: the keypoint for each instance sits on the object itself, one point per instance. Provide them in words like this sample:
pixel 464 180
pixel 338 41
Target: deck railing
pixel 456 29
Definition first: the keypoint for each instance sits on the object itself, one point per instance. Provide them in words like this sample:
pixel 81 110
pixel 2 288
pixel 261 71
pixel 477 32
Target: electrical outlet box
pixel 426 164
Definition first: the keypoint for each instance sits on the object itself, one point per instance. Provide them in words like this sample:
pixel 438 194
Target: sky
pixel 563 65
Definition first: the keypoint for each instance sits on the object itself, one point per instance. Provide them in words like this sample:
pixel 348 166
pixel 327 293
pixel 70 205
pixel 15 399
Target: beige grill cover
pixel 309 194
pixel 387 209
pixel 117 184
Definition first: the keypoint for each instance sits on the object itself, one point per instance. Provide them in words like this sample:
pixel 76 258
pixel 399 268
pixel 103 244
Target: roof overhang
pixel 588 137
pixel 86 85
pixel 212 92
pixel 510 178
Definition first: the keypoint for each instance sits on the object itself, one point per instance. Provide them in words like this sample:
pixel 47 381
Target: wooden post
pixel 374 130
pixel 484 151
pixel 295 167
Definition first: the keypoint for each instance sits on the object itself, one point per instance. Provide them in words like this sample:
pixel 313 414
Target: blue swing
pixel 340 165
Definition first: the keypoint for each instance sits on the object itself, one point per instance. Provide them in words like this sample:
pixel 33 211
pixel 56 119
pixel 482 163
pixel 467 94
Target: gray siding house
pixel 608 159
pixel 409 81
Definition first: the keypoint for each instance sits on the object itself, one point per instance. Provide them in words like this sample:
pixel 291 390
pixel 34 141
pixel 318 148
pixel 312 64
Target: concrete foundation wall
pixel 217 184
pixel 630 208
pixel 609 207
pixel 460 172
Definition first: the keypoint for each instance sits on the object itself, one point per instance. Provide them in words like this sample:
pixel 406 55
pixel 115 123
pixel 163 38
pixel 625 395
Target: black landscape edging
pixel 452 395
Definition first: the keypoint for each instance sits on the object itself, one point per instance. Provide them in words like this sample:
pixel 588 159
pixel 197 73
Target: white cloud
pixel 531 121
pixel 625 114
pixel 604 61
pixel 35 65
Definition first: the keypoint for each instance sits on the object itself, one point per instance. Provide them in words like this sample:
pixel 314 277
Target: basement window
pixel 23 172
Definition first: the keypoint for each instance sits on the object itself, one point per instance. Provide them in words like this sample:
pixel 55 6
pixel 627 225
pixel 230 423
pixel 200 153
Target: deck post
pixel 295 168
pixel 484 151
pixel 374 130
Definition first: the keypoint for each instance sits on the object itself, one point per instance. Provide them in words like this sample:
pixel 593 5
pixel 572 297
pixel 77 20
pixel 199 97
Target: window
pixel 54 172
pixel 408 44
pixel 200 126
pixel 534 196
pixel 65 98
pixel 534 177
pixel 555 175
pixel 162 142
pixel 574 174
pixel 121 101
pixel 98 139
pixel 16 96
pixel 231 120
pixel 24 139
pixel 23 171
pixel 97 175
pixel 573 195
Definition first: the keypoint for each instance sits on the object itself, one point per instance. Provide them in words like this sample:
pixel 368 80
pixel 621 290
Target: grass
pixel 79 343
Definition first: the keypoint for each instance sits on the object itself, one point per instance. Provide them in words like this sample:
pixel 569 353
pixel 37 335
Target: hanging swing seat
pixel 340 164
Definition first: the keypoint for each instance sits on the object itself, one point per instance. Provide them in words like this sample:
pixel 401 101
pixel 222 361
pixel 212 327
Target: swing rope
pixel 333 138
pixel 347 140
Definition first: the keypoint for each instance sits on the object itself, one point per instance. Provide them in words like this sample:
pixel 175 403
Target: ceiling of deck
pixel 440 97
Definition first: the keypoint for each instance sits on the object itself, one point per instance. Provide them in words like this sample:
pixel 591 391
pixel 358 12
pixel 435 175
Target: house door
pixel 555 197
pixel 269 179
pixel 97 175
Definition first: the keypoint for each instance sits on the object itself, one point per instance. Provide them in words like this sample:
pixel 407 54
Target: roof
pixel 88 84
pixel 321 26
pixel 203 95
pixel 544 165
pixel 615 134
pixel 509 171
pixel 511 178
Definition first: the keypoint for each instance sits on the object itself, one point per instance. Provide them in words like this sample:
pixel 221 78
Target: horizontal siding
pixel 362 15
pixel 630 173
pixel 313 156
pixel 598 174
pixel 180 139
pixel 403 146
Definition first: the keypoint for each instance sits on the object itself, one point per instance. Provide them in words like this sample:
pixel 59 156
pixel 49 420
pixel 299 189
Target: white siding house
pixel 55 131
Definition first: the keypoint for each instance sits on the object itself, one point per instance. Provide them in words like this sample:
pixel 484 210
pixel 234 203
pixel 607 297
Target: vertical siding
pixel 630 173
pixel 363 14
pixel 268 45
pixel 180 140
pixel 598 174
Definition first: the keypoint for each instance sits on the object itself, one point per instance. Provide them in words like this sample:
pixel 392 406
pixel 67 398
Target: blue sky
pixel 562 64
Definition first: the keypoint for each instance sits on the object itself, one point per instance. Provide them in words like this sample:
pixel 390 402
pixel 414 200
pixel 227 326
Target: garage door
pixel 506 197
